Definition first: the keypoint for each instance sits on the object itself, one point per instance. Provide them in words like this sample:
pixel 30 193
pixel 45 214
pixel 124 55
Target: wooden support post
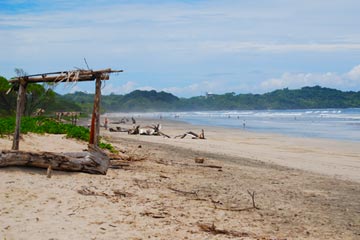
pixel 95 120
pixel 19 112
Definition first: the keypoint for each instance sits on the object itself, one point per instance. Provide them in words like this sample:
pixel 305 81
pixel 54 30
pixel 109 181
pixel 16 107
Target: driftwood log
pixel 94 161
pixel 119 129
pixel 194 135
pixel 153 130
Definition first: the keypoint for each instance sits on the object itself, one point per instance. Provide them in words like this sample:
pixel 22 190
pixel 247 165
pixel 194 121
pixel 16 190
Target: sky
pixel 186 47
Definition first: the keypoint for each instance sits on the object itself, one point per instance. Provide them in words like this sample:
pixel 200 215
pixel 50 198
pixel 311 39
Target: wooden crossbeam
pixel 66 76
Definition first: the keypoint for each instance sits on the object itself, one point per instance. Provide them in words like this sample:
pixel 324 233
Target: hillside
pixel 306 97
pixel 147 101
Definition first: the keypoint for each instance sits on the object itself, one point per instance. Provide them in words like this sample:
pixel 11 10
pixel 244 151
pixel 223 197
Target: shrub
pixel 43 125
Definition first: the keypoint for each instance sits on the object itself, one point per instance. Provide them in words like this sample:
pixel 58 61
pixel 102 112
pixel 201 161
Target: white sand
pixel 339 159
pixel 294 204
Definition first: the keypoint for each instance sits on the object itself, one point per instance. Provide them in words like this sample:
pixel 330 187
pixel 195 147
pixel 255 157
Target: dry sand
pixel 305 189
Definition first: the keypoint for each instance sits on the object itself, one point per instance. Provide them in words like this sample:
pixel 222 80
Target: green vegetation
pixel 7 100
pixel 37 96
pixel 306 97
pixel 42 96
pixel 47 125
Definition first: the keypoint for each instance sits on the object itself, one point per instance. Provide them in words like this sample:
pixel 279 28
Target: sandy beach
pixel 304 189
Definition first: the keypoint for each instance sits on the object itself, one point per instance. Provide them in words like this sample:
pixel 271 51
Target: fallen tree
pixel 153 130
pixel 93 161
pixel 119 129
pixel 194 135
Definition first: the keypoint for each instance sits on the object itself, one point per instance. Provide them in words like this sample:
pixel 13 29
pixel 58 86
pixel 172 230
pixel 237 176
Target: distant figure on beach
pixel 133 120
pixel 244 124
pixel 106 123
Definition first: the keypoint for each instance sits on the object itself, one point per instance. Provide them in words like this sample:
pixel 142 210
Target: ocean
pixel 339 124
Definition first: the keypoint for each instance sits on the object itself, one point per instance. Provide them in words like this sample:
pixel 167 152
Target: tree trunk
pixel 94 161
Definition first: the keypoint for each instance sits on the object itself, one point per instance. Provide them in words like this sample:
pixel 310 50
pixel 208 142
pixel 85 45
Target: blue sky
pixel 187 47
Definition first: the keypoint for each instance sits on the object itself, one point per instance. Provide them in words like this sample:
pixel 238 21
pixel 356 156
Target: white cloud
pixel 217 86
pixel 354 73
pixel 146 88
pixel 73 88
pixel 150 38
pixel 125 88
pixel 231 47
pixel 346 81
pixel 122 89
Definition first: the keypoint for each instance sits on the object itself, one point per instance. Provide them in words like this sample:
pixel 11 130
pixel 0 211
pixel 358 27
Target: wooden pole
pixel 19 111
pixel 95 120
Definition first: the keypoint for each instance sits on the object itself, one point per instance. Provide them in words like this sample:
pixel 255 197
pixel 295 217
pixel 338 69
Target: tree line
pixel 304 98
pixel 43 96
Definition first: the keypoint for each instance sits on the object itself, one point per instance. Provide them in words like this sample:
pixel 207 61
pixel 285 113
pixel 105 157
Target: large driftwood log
pixel 153 130
pixel 94 161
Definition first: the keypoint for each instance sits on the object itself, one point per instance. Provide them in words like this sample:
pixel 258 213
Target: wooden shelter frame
pixel 95 161
pixel 59 77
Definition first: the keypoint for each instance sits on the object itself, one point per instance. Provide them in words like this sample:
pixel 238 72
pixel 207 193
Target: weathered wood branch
pixel 252 195
pixel 164 135
pixel 94 161
pixel 195 135
pixel 214 230
pixel 184 192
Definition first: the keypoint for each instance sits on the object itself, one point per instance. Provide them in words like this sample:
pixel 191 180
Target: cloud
pixel 346 81
pixel 122 89
pixel 354 73
pixel 125 88
pixel 146 88
pixel 217 86
pixel 161 27
pixel 155 38
pixel 232 47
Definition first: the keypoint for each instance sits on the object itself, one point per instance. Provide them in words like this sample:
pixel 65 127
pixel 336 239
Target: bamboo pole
pixel 19 112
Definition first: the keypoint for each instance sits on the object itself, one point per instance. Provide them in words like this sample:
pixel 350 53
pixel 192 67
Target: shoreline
pixel 332 124
pixel 339 159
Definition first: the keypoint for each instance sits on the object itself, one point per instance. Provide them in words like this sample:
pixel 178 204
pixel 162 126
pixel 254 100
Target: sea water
pixel 340 124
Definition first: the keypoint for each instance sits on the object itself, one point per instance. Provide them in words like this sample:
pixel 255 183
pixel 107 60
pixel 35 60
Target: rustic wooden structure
pixel 93 161
pixel 73 115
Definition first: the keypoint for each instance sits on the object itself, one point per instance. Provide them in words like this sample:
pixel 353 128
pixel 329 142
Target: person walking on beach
pixel 106 123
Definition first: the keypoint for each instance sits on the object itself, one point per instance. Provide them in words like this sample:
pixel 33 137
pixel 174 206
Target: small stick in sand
pixel 214 230
pixel 48 172
pixel 252 195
